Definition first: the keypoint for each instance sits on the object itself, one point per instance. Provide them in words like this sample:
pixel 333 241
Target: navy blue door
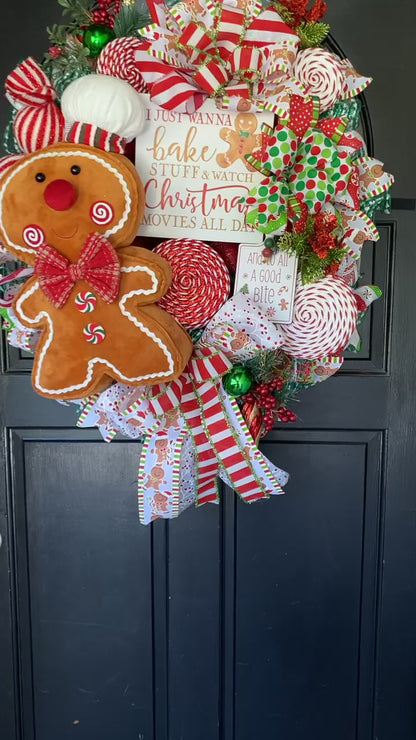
pixel 293 619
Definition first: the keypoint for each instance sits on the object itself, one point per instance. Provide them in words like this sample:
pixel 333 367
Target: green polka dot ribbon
pixel 304 168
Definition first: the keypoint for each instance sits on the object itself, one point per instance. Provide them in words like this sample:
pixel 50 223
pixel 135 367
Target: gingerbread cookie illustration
pixel 160 503
pixel 242 140
pixel 72 210
pixel 155 478
pixel 161 449
pixel 371 174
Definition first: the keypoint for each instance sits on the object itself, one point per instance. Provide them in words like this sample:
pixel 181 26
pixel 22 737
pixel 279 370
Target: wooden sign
pixel 194 171
pixel 271 284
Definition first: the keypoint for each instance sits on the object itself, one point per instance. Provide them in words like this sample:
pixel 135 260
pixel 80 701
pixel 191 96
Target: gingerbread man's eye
pixel 40 177
pixel 75 169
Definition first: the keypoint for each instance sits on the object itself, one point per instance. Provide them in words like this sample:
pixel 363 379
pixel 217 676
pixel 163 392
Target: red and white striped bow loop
pixel 217 428
pixel 226 52
pixel 39 121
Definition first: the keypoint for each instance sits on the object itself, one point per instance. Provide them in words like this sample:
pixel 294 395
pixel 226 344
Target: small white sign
pixel 271 284
pixel 194 171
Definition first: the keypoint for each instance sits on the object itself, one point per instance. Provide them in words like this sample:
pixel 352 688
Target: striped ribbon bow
pixel 219 433
pixel 214 50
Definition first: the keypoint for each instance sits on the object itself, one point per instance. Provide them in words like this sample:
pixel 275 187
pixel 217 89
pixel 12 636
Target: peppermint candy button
pixel 94 333
pixel 85 301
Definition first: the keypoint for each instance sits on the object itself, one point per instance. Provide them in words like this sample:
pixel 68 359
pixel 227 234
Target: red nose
pixel 60 195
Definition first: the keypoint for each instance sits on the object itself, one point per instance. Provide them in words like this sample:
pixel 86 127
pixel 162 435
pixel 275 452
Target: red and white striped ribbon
pixel 8 161
pixel 27 84
pixel 39 121
pixel 205 407
pixel 88 133
pixel 224 58
pixel 37 126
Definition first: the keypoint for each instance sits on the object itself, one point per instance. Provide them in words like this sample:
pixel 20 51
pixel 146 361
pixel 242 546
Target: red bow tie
pixel 98 265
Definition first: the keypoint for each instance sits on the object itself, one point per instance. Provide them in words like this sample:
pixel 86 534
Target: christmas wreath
pixel 132 308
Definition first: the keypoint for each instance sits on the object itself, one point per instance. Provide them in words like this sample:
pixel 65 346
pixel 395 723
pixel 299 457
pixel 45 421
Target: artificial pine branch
pixel 129 20
pixel 72 62
pixel 79 10
pixel 312 33
pixel 265 365
pixel 312 265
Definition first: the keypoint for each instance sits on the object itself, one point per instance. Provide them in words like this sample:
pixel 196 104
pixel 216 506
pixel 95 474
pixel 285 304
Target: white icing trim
pixel 41 355
pixel 143 268
pixel 70 153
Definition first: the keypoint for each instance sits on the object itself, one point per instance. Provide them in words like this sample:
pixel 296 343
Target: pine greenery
pixel 312 267
pixel 129 20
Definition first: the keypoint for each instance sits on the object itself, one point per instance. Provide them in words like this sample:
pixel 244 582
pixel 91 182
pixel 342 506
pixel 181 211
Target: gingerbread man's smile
pixel 67 236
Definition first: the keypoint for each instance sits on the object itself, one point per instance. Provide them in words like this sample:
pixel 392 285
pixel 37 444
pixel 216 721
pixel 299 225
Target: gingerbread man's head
pixel 246 122
pixel 60 194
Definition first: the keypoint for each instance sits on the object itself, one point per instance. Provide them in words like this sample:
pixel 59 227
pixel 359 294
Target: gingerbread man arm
pixel 225 159
pixel 30 305
pixel 145 273
pixel 225 134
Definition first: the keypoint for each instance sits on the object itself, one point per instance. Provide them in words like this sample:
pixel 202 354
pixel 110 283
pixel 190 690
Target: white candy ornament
pixel 106 102
pixel 322 75
pixel 324 318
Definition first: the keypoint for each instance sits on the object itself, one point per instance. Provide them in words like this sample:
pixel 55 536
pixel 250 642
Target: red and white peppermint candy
pixel 33 235
pixel 94 333
pixel 200 281
pixel 101 212
pixel 117 60
pixel 85 301
pixel 321 73
pixel 324 318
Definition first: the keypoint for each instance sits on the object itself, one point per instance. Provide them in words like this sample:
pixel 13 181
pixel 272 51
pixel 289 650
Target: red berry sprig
pixel 264 394
pixel 105 12
pixel 285 415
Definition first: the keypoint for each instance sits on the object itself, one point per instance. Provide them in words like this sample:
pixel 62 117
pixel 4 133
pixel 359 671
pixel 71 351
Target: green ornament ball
pixel 237 381
pixel 96 36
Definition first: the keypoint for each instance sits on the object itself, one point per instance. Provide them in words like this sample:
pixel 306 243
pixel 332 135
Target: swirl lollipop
pixel 117 60
pixel 321 73
pixel 324 318
pixel 200 282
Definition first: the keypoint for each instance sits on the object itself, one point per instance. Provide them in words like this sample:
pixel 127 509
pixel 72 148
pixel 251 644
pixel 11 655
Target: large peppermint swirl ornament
pixel 324 318
pixel 117 60
pixel 322 75
pixel 200 281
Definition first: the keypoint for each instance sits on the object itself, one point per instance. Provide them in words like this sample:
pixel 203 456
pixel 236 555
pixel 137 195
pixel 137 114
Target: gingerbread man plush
pixel 72 210
pixel 241 141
